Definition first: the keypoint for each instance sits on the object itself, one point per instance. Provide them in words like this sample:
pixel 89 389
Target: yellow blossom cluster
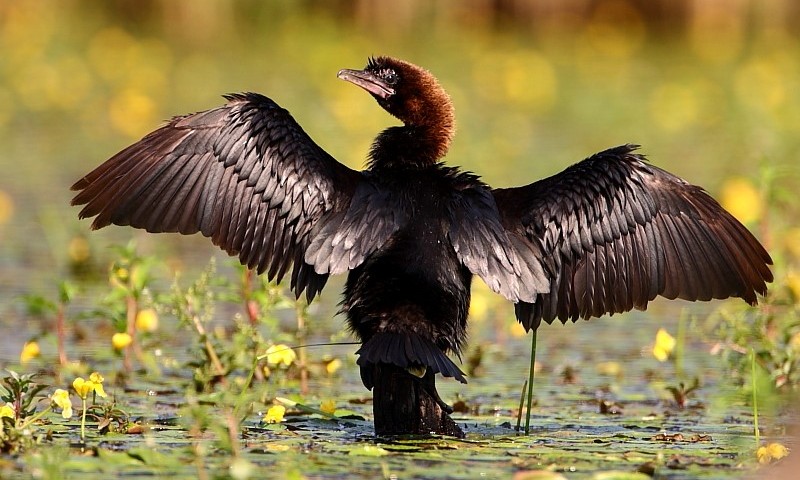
pixel 275 414
pixel 664 345
pixel 771 452
pixel 120 340
pixel 94 385
pixel 281 355
pixel 60 398
pixel 147 320
pixel 8 411
pixel 30 351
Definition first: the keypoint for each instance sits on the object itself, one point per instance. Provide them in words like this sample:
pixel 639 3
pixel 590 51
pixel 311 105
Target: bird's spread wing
pixel 247 176
pixel 615 232
pixel 345 239
pixel 508 263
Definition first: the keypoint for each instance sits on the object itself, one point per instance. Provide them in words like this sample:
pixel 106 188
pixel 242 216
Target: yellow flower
pixel 121 340
pixel 333 366
pixel 7 411
pixel 29 351
pixel 770 452
pixel 61 399
pixel 84 387
pixel 328 406
pixel 665 344
pixel 275 414
pixel 278 354
pixel 97 379
pixel 147 320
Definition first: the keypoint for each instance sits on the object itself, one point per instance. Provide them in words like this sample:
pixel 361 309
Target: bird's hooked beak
pixel 368 81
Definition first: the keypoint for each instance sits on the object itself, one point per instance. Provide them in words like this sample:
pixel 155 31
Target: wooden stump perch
pixel 404 404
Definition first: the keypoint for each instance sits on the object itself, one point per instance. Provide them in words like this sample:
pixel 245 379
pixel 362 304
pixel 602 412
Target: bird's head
pixel 408 92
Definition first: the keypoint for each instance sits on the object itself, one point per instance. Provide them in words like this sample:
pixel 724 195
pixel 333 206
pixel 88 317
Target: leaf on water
pixel 110 457
pixel 610 408
pixel 678 462
pixel 277 447
pixel 620 475
pixel 538 475
pixel 135 429
pixel 345 414
pixel 305 408
pixel 368 451
pixel 397 447
pixel 153 458
pixel 328 406
pixel 666 437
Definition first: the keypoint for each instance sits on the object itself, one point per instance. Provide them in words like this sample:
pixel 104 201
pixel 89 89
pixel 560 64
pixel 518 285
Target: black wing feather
pixel 614 232
pixel 247 176
pixel 509 265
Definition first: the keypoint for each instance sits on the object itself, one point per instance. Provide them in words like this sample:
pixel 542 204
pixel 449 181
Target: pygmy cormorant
pixel 606 235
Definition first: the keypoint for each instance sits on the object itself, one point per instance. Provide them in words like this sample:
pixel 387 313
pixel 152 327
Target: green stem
pixel 32 419
pixel 521 404
pixel 530 383
pixel 755 397
pixel 83 420
pixel 248 382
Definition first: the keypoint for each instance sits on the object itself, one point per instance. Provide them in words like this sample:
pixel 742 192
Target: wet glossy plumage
pixel 604 236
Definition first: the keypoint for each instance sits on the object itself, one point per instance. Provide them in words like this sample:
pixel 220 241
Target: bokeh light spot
pixel 78 249
pixel 523 78
pixel 761 85
pixel 6 207
pixel 674 106
pixel 740 197
pixel 132 112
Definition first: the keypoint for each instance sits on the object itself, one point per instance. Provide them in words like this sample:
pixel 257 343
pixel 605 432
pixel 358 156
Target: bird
pixel 607 235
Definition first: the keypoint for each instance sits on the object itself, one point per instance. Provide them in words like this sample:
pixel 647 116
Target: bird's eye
pixel 390 77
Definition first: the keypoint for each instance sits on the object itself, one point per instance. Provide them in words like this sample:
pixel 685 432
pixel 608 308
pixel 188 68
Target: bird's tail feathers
pixel 405 350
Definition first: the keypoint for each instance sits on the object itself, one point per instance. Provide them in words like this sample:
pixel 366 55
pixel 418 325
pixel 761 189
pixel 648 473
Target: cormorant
pixel 606 235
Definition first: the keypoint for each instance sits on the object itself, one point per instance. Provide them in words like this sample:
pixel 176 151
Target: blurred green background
pixel 711 89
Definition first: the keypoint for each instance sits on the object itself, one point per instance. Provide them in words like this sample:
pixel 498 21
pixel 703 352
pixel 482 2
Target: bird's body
pixel 414 288
pixel 606 235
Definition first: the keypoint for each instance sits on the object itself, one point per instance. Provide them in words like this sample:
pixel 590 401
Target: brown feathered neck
pixel 414 96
